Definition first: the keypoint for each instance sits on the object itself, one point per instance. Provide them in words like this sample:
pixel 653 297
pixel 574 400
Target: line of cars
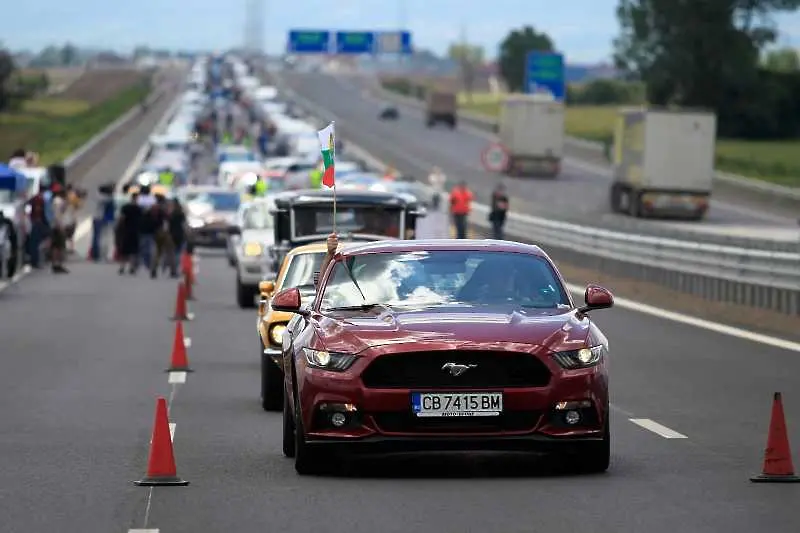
pixel 395 344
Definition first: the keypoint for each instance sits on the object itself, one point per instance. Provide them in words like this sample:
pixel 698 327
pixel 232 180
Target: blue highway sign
pixel 349 42
pixel 355 42
pixel 544 73
pixel 309 42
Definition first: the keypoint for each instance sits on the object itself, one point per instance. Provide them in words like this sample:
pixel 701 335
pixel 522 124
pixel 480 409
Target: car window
pixel 257 216
pixel 364 220
pixel 445 277
pixel 301 269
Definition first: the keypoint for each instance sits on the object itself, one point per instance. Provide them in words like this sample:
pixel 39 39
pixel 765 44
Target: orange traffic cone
pixel 181 312
pixel 161 468
pixel 778 467
pixel 179 362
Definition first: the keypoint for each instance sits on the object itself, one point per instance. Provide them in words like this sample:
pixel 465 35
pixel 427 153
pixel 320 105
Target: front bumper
pixel 253 270
pixel 211 237
pixel 378 420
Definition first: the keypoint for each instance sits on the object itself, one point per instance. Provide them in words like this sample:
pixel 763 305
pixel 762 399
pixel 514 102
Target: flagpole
pixel 334 200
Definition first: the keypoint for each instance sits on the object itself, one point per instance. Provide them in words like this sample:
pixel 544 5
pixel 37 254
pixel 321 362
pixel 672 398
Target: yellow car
pixel 297 270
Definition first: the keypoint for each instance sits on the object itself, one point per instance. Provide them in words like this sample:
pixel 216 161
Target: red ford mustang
pixel 444 345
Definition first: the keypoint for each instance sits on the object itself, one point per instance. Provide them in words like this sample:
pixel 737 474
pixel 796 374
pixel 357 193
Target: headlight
pixel 276 333
pixel 196 223
pixel 328 360
pixel 252 249
pixel 583 358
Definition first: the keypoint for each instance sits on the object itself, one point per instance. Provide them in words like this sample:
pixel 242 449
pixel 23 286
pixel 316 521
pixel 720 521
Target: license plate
pixel 454 404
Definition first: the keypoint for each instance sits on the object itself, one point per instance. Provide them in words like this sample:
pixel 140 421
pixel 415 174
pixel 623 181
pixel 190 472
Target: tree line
pixel 16 86
pixel 716 55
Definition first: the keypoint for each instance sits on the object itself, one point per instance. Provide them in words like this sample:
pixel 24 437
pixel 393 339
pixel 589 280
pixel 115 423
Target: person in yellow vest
pixel 316 176
pixel 260 187
pixel 166 178
pixel 227 138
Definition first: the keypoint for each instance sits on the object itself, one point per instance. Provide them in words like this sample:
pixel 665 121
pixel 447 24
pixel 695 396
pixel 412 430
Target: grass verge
pixel 772 161
pixel 56 127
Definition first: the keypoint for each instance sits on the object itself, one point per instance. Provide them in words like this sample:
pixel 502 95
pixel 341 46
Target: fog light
pixel 572 417
pixel 338 419
pixel 582 404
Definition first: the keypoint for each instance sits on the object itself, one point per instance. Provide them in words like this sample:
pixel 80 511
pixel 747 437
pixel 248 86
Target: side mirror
pixel 266 288
pixel 287 301
pixel 597 297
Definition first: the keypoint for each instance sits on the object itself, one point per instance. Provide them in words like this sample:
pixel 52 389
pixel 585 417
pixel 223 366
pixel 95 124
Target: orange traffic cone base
pixel 775 478
pixel 161 482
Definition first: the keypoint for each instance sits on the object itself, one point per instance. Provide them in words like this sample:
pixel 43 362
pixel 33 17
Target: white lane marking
pixel 716 327
pixel 658 429
pixel 144 530
pixel 187 342
pixel 176 378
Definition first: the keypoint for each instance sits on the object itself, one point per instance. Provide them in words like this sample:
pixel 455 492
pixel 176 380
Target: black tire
pixel 634 204
pixel 614 198
pixel 288 429
pixel 271 383
pixel 596 457
pixel 245 295
pixel 308 461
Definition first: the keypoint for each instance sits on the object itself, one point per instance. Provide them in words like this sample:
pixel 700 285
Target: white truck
pixel 531 129
pixel 663 163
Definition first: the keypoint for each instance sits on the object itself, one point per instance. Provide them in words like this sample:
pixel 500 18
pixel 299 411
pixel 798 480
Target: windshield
pixel 302 267
pixel 370 220
pixel 219 201
pixel 257 216
pixel 6 196
pixel 446 277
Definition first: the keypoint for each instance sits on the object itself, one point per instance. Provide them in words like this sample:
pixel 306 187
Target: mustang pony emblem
pixel 455 369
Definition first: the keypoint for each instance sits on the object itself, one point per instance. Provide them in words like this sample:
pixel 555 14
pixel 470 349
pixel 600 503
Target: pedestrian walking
pixel 177 232
pixel 58 236
pixel 460 207
pixel 437 180
pixel 127 234
pixel 499 209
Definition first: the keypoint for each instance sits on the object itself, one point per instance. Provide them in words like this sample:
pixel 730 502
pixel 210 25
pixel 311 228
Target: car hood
pixel 261 236
pixel 462 327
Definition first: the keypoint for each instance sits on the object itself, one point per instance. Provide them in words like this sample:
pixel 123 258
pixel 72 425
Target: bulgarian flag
pixel 327 143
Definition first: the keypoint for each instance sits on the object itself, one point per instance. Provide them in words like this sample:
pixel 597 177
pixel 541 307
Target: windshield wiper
pixel 363 307
pixel 353 279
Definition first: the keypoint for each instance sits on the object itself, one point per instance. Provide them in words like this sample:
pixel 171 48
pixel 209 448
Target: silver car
pixel 249 249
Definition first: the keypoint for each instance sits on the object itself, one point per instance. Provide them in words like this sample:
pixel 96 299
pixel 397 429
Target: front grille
pixel 409 423
pixel 423 370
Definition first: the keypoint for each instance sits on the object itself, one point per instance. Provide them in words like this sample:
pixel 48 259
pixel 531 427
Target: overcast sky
pixel 582 29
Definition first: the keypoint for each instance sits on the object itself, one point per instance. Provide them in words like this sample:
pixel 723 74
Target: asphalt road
pixel 579 194
pixel 83 361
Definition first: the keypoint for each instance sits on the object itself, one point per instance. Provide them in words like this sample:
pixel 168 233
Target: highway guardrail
pixel 744 276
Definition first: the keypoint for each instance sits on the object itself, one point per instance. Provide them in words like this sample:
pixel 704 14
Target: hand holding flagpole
pixel 327 144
